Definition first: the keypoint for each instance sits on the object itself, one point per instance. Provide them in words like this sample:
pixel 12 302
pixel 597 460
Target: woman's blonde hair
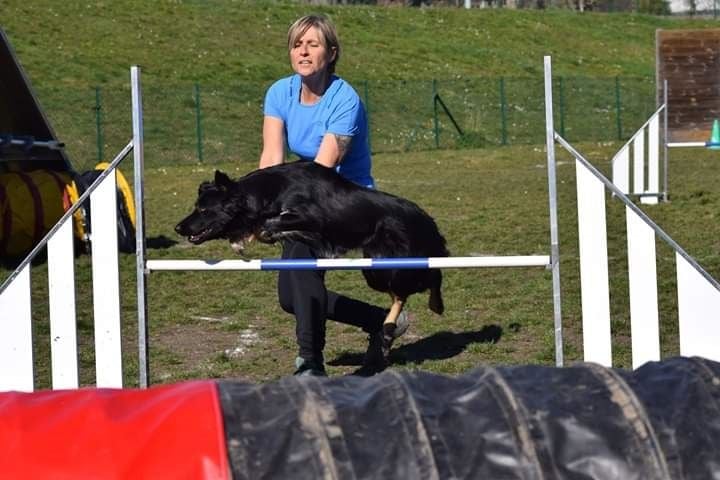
pixel 327 32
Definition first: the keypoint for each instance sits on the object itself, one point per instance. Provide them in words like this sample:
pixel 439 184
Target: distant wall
pixel 690 62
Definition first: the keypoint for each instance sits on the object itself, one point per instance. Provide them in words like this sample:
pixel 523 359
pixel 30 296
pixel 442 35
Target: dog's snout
pixel 179 228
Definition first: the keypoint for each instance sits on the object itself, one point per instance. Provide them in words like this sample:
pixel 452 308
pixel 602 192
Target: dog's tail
pixel 435 303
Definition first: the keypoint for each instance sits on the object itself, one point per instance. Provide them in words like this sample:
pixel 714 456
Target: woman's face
pixel 309 56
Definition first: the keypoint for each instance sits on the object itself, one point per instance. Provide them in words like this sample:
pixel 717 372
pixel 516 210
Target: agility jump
pixel 16 365
pixel 698 292
pixel 644 149
pixel 687 117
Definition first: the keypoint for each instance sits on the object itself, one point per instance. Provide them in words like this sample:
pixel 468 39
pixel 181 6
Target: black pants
pixel 303 294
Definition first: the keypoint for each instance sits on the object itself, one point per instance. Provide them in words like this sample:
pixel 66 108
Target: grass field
pixel 78 54
pixel 83 44
pixel 487 201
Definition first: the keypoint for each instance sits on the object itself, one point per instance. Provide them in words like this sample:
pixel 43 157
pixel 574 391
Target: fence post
pixel 367 113
pixel 198 123
pixel 562 107
pixel 618 108
pixel 98 124
pixel 435 114
pixel 503 113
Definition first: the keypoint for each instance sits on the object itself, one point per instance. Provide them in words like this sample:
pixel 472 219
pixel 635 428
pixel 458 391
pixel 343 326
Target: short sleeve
pixel 345 116
pixel 275 104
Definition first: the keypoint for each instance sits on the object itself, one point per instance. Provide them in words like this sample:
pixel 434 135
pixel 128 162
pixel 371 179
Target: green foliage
pixel 654 7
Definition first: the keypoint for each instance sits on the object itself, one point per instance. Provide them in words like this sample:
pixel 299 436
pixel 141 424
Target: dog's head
pixel 221 211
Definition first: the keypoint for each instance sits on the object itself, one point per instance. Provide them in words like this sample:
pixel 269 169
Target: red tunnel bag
pixel 173 431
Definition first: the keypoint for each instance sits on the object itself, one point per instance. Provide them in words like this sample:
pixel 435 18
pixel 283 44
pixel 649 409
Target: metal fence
pixel 194 123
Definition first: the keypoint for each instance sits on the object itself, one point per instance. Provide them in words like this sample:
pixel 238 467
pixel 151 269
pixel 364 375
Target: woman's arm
pixel 273 152
pixel 333 149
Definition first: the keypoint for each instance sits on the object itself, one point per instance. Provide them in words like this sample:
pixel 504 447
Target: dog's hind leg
pixel 435 302
pixel 395 309
pixel 392 327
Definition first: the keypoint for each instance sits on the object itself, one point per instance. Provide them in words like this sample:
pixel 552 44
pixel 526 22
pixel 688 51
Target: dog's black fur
pixel 307 202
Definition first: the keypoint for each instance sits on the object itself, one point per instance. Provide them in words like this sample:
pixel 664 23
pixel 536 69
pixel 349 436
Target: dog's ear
pixel 205 186
pixel 222 180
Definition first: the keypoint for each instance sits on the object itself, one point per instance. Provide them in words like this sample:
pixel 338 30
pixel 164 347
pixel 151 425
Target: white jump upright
pixel 106 283
pixel 644 174
pixel 16 342
pixel 61 290
pixel 698 293
pixel 16 353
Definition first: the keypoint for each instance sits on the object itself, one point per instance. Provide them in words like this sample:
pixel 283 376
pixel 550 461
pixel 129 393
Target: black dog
pixel 308 202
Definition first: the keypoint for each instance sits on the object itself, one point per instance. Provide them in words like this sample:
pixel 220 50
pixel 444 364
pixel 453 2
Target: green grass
pixel 83 44
pixel 486 201
pixel 234 50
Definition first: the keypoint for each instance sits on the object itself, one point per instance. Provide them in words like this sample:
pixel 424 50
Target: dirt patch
pixel 203 344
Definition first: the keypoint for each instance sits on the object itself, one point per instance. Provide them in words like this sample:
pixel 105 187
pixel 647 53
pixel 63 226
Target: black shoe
pixel 309 368
pixel 391 331
pixel 374 360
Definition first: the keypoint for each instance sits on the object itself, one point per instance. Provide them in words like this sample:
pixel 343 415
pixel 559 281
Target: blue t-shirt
pixel 339 111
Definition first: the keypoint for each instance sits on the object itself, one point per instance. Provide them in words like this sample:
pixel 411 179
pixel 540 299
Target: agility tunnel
pixel 661 421
pixel 30 204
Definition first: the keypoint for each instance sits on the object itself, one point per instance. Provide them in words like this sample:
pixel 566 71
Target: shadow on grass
pixel 159 242
pixel 439 346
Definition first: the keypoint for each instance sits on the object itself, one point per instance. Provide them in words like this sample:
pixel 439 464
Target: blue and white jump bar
pixel 351 263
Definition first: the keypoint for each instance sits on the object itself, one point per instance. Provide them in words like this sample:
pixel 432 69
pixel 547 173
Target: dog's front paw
pixel 238 248
pixel 266 236
pixel 238 244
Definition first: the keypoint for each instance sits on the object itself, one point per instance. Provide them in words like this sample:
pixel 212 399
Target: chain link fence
pixel 198 123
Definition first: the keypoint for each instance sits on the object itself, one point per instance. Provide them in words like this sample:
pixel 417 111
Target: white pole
pixel 665 142
pixel 552 198
pixel 141 274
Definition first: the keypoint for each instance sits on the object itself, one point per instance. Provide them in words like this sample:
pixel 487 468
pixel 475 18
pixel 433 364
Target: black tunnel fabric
pixel 661 421
pixel 682 397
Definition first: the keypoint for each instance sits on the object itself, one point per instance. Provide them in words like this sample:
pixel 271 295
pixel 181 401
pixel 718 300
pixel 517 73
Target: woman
pixel 322 119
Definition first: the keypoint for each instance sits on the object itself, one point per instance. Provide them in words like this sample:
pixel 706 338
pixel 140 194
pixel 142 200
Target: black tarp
pixel 22 118
pixel 661 421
